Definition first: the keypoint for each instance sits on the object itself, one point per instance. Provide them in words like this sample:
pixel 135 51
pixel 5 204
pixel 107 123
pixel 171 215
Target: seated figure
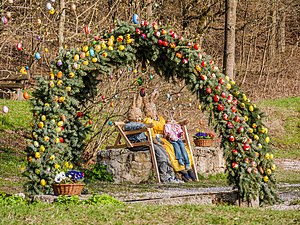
pixel 158 134
pixel 134 117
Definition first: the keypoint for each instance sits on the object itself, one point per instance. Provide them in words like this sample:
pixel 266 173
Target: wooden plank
pixel 127 132
pixel 186 137
pixel 116 146
pixel 11 86
pixel 14 78
pixel 152 153
pixel 124 136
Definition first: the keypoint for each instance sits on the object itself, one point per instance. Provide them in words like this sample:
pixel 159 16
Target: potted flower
pixel 203 139
pixel 69 183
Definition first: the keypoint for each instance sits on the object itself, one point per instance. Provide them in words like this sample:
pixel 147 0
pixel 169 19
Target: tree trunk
pixel 229 46
pixel 62 19
pixel 282 24
pixel 149 10
pixel 273 30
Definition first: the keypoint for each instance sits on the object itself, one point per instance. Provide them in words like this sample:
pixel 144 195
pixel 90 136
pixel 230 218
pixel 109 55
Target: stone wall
pixel 136 167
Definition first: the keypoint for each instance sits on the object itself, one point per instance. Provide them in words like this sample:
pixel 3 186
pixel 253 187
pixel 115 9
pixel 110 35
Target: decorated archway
pixel 59 128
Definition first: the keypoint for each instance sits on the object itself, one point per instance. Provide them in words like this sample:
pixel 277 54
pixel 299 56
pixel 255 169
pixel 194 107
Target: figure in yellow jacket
pixel 157 132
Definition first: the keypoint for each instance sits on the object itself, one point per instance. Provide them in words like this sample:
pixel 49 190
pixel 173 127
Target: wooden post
pixel 152 153
pixel 191 151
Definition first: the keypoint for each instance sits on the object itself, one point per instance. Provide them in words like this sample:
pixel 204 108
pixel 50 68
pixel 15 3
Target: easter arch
pixel 58 134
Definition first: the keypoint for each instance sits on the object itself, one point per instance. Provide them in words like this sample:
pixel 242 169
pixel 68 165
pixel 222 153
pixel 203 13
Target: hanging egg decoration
pixel 26 67
pixel 87 29
pixel 92 52
pixel 37 56
pixel 48 6
pixel 110 123
pixel 59 63
pixel 4 20
pixel 19 46
pixel 142 92
pixel 151 77
pixel 26 95
pixel 73 7
pixel 5 109
pixel 52 11
pixel 140 81
pixel 8 15
pixel 135 19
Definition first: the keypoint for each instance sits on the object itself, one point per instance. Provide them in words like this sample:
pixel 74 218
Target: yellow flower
pixel 66 164
pixel 246 118
pixel 71 166
pixel 52 157
pixel 56 166
pixel 266 179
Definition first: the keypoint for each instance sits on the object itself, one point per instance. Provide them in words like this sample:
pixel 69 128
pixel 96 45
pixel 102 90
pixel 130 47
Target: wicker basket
pixel 203 142
pixel 67 189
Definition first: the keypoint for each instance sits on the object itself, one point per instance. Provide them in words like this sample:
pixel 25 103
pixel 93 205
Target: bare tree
pixel 229 46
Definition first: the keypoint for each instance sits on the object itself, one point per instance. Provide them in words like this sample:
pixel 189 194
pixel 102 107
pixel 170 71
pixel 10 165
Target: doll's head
pixel 149 105
pixel 135 113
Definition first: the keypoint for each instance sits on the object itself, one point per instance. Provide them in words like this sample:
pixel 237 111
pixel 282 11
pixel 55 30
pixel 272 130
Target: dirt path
pixel 288 164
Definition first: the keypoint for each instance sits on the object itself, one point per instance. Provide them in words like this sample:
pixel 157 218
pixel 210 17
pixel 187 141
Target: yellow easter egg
pixel 273 167
pixel 267 139
pixel 76 57
pixel 266 179
pixel 85 48
pixel 42 148
pixel 251 108
pixel 37 155
pixel 43 182
pixel 98 48
pixel 267 156
pixel 94 59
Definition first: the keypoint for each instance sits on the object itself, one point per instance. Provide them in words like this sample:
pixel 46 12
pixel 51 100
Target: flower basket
pixel 203 142
pixel 67 189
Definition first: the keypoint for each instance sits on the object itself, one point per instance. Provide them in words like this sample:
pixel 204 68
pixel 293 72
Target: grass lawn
pixel 143 214
pixel 283 120
pixel 285 112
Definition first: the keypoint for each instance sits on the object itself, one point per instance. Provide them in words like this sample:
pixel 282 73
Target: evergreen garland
pixel 60 128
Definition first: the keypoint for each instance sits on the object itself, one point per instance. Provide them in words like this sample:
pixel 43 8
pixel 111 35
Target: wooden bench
pixel 122 135
pixel 11 86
